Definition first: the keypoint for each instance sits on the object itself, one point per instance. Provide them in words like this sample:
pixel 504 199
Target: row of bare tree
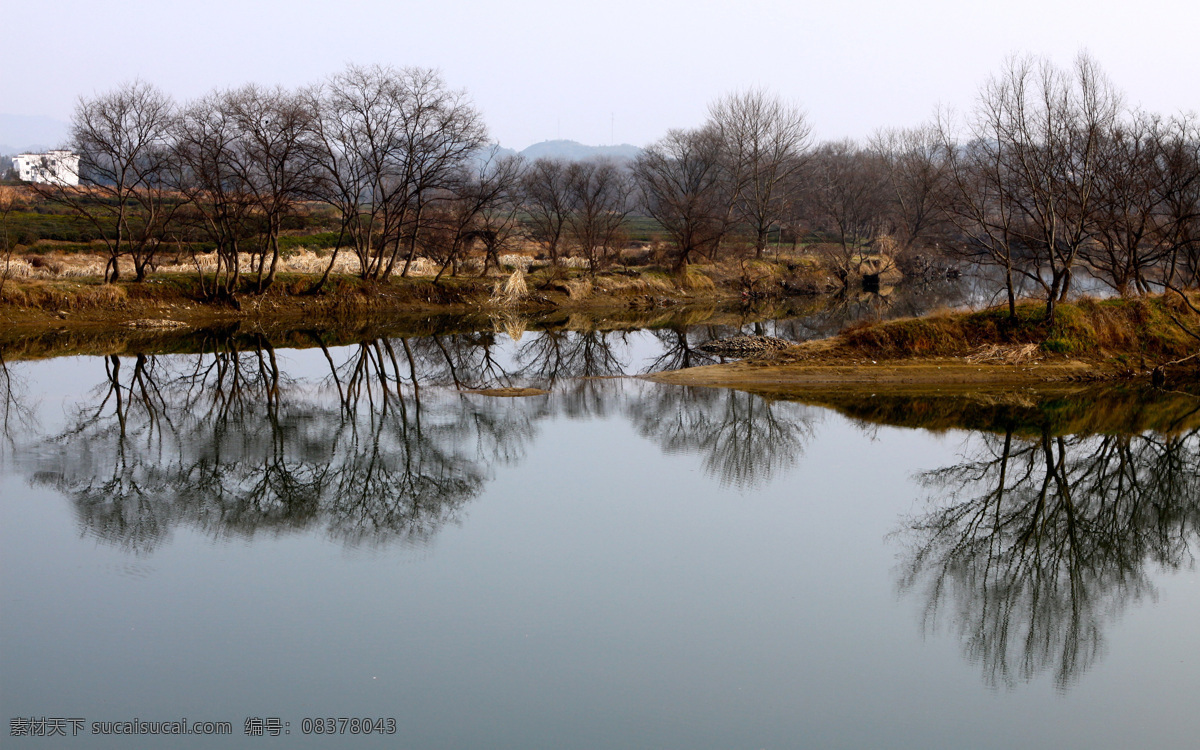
pixel 402 160
pixel 1055 172
pixel 384 148
pixel 1047 173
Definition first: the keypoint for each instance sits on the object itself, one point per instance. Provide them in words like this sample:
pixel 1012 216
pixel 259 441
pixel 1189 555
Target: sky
pixel 621 71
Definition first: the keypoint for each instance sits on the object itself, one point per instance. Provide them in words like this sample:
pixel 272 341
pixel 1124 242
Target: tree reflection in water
pixel 1029 545
pixel 228 443
pixel 387 445
pixel 679 349
pixel 1032 544
pixel 745 439
pixel 16 412
pixel 551 356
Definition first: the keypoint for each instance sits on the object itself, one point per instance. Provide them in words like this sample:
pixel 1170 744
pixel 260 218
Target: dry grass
pixel 1010 355
pixel 1092 328
pixel 50 296
pixel 510 291
pixel 650 282
pixel 696 281
pixel 579 289
pixel 76 265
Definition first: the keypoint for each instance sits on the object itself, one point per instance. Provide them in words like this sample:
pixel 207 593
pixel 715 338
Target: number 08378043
pixel 344 725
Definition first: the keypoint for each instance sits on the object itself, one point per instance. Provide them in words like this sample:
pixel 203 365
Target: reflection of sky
pixel 605 586
pixel 598 593
pixel 983 285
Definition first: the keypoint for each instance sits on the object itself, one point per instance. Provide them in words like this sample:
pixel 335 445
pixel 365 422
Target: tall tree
pixel 122 140
pixel 764 140
pixel 440 132
pixel 547 203
pixel 847 198
pixel 360 168
pixel 392 143
pixel 1129 208
pixel 482 208
pixel 913 161
pixel 1052 127
pixel 10 200
pixel 221 209
pixel 599 191
pixel 977 200
pixel 683 187
pixel 273 155
pixel 1179 223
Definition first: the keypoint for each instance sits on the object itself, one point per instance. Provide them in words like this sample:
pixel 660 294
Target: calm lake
pixel 274 535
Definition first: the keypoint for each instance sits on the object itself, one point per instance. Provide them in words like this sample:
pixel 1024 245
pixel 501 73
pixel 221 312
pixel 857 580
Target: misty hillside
pixel 575 151
pixel 31 133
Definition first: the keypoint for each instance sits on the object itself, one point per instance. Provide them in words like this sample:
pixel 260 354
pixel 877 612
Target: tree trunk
pixel 1012 293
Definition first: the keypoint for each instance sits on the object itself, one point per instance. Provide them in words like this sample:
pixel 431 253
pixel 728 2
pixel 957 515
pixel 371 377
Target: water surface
pixel 341 531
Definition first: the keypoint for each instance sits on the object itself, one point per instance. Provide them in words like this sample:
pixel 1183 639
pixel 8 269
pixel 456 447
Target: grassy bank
pixel 30 306
pixel 1089 340
pixel 77 336
pixel 1120 328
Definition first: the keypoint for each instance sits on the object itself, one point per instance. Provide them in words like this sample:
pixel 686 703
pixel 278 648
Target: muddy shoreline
pixel 895 376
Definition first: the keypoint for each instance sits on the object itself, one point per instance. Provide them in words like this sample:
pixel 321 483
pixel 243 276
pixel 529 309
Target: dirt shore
pixel 767 376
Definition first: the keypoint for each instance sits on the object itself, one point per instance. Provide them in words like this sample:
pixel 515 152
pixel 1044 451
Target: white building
pixel 53 167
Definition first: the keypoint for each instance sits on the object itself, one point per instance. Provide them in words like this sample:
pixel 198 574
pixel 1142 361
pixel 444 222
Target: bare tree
pixel 847 198
pixel 392 143
pixel 221 208
pixel 913 160
pixel 547 202
pixel 122 140
pixel 1179 184
pixel 358 131
pixel 599 192
pixel 10 200
pixel 1026 190
pixel 977 201
pixel 1052 128
pixel 274 157
pixel 1130 205
pixel 765 140
pixel 498 221
pixel 683 187
pixel 440 132
pixel 482 208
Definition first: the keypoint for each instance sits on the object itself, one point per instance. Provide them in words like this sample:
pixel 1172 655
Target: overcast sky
pixel 622 70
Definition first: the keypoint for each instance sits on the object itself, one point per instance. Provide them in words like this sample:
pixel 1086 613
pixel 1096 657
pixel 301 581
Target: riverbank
pixel 76 338
pixel 31 306
pixel 1090 340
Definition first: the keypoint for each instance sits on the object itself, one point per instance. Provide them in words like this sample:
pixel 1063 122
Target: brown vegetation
pixel 1087 340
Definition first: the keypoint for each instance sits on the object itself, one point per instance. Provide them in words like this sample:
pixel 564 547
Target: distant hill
pixel 28 148
pixel 31 133
pixel 575 151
